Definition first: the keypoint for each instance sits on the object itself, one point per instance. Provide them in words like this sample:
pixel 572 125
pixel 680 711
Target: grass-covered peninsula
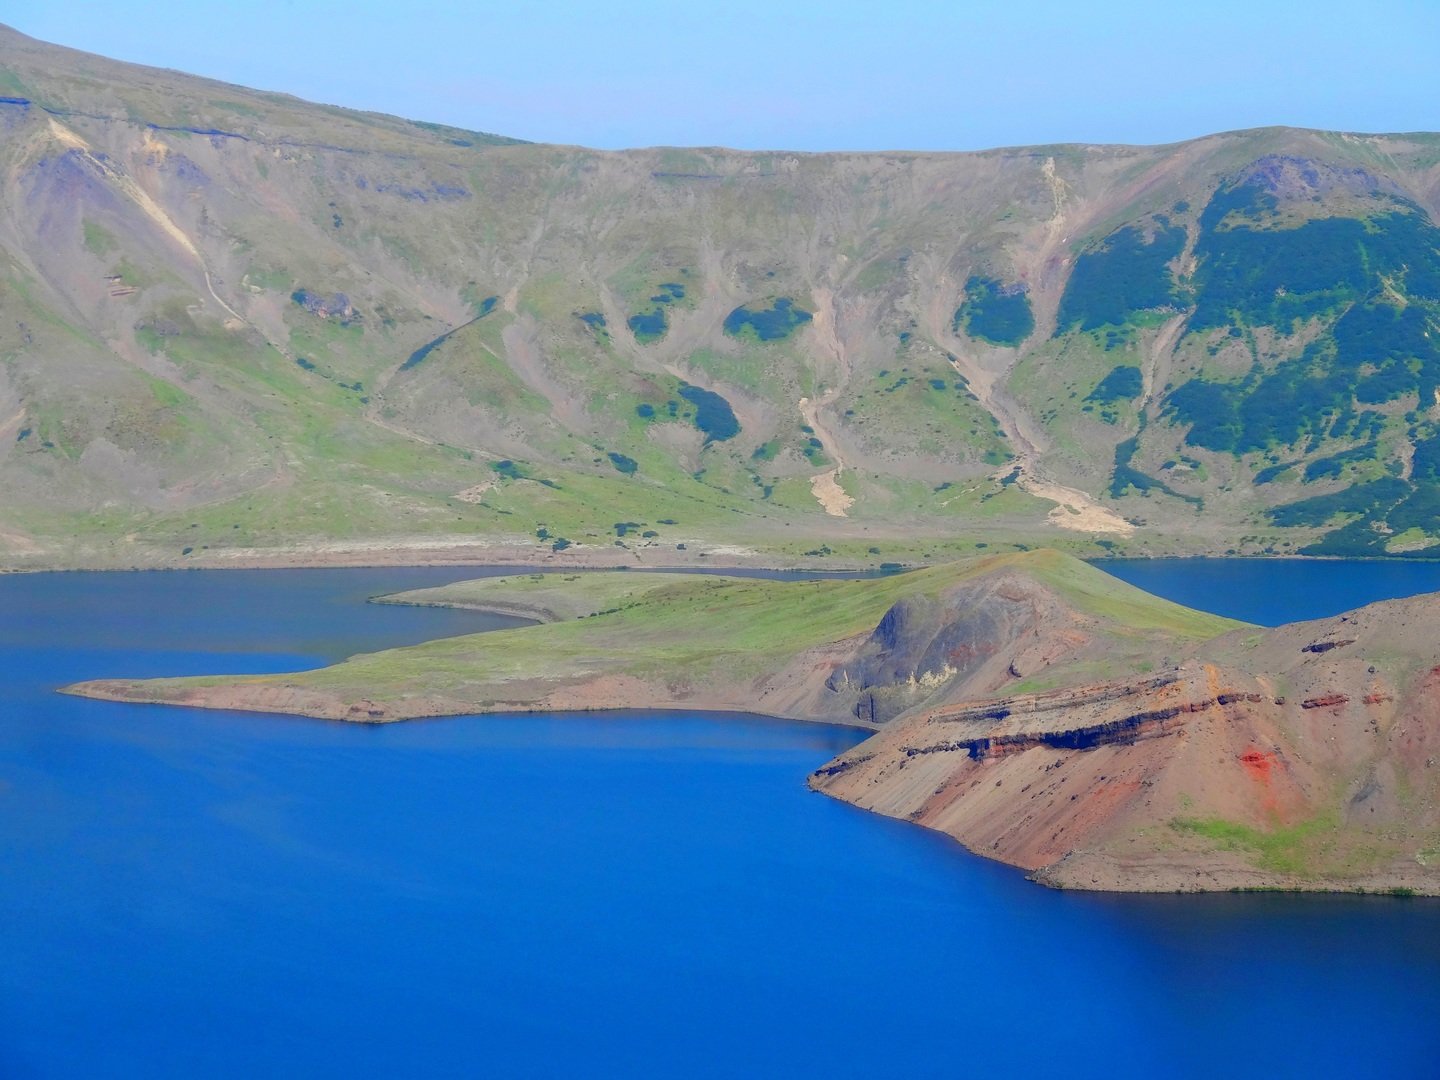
pixel 1038 710
pixel 631 639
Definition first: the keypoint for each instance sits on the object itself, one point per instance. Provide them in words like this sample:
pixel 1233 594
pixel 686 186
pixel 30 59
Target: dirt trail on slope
pixel 1074 509
pixel 1162 350
pixel 151 209
pixel 525 358
pixel 1059 193
pixel 825 486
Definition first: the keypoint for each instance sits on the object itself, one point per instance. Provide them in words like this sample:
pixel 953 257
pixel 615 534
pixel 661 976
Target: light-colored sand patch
pixel 833 498
pixel 9 428
pixel 149 207
pixel 733 550
pixel 18 542
pixel 476 493
pixel 1074 509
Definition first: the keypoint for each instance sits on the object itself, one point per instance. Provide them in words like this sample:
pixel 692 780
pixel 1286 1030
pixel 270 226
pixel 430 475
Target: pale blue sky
pixel 802 75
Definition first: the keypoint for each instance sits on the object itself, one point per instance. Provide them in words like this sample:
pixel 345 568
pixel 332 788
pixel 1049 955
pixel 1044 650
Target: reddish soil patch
pixel 1258 764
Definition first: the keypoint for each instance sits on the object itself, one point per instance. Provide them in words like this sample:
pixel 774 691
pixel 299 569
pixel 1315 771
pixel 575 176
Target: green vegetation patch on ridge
pixel 1378 509
pixel 1377 352
pixel 1123 383
pixel 713 414
pixel 995 312
pixel 1372 282
pixel 1127 273
pixel 1273 276
pixel 775 322
pixel 653 323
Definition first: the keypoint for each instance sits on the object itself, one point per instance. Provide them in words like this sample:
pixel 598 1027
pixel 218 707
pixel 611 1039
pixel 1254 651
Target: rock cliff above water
pixel 1297 758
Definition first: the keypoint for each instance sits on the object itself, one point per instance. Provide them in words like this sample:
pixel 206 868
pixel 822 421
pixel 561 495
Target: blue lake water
pixel 195 893
pixel 1274 591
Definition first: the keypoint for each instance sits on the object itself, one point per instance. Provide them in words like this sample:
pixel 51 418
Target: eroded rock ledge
pixel 1125 730
pixel 1288 759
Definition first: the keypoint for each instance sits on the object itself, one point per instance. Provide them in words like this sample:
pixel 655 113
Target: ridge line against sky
pixel 804 76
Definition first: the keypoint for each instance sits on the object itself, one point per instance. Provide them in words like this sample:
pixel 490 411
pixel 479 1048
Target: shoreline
pixel 1176 880
pixel 540 561
pixel 101 690
pixel 521 558
pixel 1107 874
pixel 968 748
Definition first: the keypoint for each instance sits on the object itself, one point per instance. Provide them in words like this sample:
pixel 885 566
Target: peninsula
pixel 1027 704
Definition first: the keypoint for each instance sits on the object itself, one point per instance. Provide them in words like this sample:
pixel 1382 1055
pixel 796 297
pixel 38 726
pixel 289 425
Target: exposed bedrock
pixel 974 638
pixel 1305 757
pixel 1125 729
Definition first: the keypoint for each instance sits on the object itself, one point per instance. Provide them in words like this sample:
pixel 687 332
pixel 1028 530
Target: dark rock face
pixel 924 644
pixel 1124 730
pixel 337 304
pixel 1326 646
pixel 1289 177
pixel 68 179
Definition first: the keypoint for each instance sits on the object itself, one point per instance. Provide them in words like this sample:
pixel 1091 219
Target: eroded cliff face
pixel 1303 757
pixel 967 641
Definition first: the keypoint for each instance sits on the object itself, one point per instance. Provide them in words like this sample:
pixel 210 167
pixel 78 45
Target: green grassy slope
pixel 242 323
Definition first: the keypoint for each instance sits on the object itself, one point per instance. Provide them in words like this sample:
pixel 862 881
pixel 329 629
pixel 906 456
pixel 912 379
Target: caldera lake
pixel 220 894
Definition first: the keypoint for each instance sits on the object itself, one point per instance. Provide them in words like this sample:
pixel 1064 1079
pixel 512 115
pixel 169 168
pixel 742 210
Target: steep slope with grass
pixel 242 327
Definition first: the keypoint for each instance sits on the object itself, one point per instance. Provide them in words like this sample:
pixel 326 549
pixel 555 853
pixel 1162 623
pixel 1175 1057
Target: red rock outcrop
pixel 1294 758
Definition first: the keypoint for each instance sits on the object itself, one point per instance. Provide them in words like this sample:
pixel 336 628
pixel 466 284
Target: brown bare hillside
pixel 1303 757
